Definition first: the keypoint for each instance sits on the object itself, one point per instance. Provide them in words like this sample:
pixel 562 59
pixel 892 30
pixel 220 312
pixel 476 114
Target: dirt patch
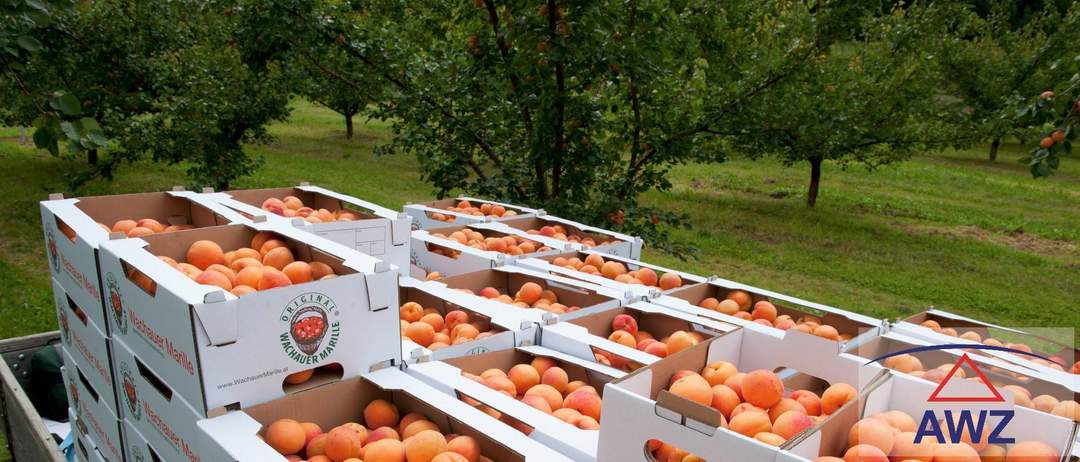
pixel 1016 239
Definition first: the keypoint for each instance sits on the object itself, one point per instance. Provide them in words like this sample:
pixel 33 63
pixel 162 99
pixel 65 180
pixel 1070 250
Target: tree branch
pixel 560 106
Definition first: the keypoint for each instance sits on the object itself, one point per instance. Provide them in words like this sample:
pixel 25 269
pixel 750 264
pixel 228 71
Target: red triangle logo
pixel 964 359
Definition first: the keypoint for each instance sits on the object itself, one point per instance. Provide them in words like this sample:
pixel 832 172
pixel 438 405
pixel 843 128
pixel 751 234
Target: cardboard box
pixel 216 349
pixel 1041 345
pixel 139 449
pixel 86 450
pixel 638 408
pixel 379 231
pixel 87 345
pixel 594 325
pixel 426 215
pixel 73 236
pixel 606 241
pixel 93 416
pixel 509 328
pixel 234 436
pixel 508 280
pixel 154 408
pixel 901 392
pixel 567 439
pixel 545 263
pixel 432 252
pixel 856 326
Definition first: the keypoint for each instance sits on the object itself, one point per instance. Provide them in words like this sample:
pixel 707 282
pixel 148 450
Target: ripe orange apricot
pixel 424 446
pixel 249 276
pixel 272 278
pixel 742 298
pixel 205 253
pixel 836 396
pixel 680 340
pixel 586 402
pixel 214 278
pixel 316 446
pixel 465 446
pixel 762 388
pixel 385 450
pixel 298 272
pixel 873 432
pixel 556 377
pixel 905 448
pixel 343 443
pixel 670 281
pixel 647 276
pixel 123 226
pixel 320 269
pixel 955 452
pixel 784 405
pixel 381 413
pixel 750 423
pixel 417 427
pixel 694 388
pixel 420 332
pixel 139 231
pixel 299 377
pixel 764 310
pixel 240 290
pixel 809 401
pixel 1031 451
pixel 524 376
pixel 865 453
pixel 1067 409
pixel 567 415
pixel 611 269
pixel 992 453
pixel 501 383
pixel 724 399
pixel 827 331
pixel 791 423
pixel 529 292
pixel 278 257
pixel 286 436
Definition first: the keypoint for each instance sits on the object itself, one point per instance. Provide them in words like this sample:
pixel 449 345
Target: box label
pixel 312 328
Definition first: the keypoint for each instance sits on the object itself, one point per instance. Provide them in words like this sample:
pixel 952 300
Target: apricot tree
pixel 1057 115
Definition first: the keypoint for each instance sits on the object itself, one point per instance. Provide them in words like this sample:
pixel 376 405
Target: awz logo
pixel 969 420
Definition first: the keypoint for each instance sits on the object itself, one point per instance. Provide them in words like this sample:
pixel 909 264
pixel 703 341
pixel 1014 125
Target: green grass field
pixel 948 230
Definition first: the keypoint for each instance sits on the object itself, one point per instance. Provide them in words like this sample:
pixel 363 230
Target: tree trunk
pixel 994 148
pixel 815 179
pixel 92 157
pixel 348 125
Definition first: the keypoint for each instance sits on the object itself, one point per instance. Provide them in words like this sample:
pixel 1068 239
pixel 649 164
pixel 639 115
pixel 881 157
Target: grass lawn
pixel 949 230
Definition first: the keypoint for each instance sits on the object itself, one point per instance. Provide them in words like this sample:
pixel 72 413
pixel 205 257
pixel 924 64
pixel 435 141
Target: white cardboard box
pixel 422 213
pixel 216 349
pixel 380 232
pixel 544 264
pixel 510 327
pixel 156 410
pixel 901 392
pixel 1065 352
pixel 508 279
pixel 589 329
pixel 638 408
pixel 448 257
pixel 86 450
pixel 72 235
pixel 234 436
pixel 98 422
pixel 567 439
pixel 86 343
pixel 859 327
pixel 137 448
pixel 607 241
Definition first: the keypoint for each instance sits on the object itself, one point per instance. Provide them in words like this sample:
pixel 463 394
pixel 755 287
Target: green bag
pixel 46 388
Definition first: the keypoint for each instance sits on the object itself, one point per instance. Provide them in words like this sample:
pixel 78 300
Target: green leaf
pixel 43 137
pixel 28 43
pixel 67 104
pixel 71 130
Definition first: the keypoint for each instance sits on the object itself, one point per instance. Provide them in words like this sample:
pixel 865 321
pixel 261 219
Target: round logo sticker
pixel 131 396
pixel 312 326
pixel 54 255
pixel 66 335
pixel 116 303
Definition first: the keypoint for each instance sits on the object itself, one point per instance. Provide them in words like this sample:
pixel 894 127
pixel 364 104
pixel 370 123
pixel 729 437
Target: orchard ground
pixel 950 230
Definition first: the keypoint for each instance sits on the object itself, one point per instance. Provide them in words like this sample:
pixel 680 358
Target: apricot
pixel 381 433
pixel 385 450
pixel 1045 403
pixel 343 443
pixel 570 387
pixel 316 446
pixel 992 453
pixel 791 423
pixel 769 438
pixel 501 383
pixel 899 420
pixel 864 453
pixel 587 423
pixel 827 331
pixel 410 311
pixel 724 399
pixel 670 281
pixel 586 402
pixel 278 257
pixel 450 456
pixel 205 253
pixel 762 388
pixel 214 278
pixel 424 446
pixel 556 377
pixel 297 378
pixel 905 448
pixel 679 341
pixel 523 376
pixel 904 363
pixel 624 338
pixel 626 323
pixel 420 332
pixel 529 292
pixel 836 396
pixel 1031 451
pixel 647 276
pixel 784 405
pixel 809 401
pixel 272 278
pixel 735 383
pixel 241 290
pixel 657 349
pixel 710 303
pixel 694 388
pixel 742 298
pixel 286 436
pixel 728 307
pixel 764 310
pixel 239 264
pixel 408 419
pixel 381 413
pixel 873 432
pixel 718 372
pixel 249 276
pixel 466 446
pixel 567 415
pixel 750 423
pixel 536 402
pixel 955 452
pixel 298 272
pixel 123 226
pixel 1067 409
pixel 417 427
pixel 139 231
pixel 611 269
pixel 542 364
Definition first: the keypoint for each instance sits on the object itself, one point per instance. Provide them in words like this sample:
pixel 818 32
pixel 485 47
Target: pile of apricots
pixel 466 207
pixel 529 295
pixel 545 386
pixel 624 331
pixel 972 336
pixel 617 271
pixel 143 227
pixel 430 329
pixel 292 206
pixel 740 304
pixel 385 436
pixel 559 232
pixel 507 244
